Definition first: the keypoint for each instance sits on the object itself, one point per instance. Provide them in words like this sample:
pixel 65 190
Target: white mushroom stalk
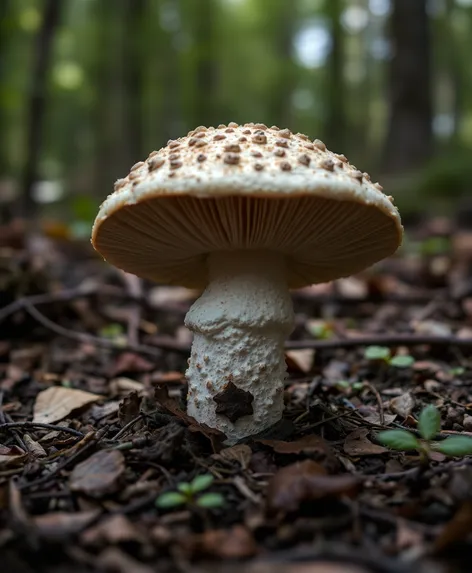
pixel 244 213
pixel 237 367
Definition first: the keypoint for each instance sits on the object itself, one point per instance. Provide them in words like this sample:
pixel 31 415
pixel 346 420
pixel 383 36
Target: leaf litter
pixel 93 429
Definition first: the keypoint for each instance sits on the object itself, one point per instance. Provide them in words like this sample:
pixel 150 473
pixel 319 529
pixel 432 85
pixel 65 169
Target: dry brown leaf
pixel 162 397
pixel 307 481
pixel 34 448
pixel 130 362
pixel 168 377
pixel 11 456
pixel 375 418
pixel 57 525
pixel 129 408
pixel 310 445
pixel 100 474
pixel 122 384
pixel 357 444
pixel 234 543
pixel 457 529
pixel 114 529
pixel 299 360
pixel 402 405
pixel 407 537
pixel 56 403
pixel 241 453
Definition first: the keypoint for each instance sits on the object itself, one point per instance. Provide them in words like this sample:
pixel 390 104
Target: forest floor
pixel 93 429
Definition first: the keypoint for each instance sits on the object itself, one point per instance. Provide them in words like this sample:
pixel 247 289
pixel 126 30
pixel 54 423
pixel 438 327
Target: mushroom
pixel 244 213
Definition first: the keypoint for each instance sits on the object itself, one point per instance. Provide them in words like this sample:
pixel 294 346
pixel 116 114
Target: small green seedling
pixel 349 385
pixel 458 371
pixel 115 333
pixel 187 495
pixel 383 354
pixel 322 330
pixel 429 424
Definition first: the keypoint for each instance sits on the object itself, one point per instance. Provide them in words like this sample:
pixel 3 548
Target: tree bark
pixel 409 137
pixel 36 105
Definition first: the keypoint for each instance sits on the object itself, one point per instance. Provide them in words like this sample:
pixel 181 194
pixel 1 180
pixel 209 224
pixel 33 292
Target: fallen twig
pixel 167 343
pixel 88 338
pixel 381 340
pixel 88 441
pixel 376 393
pixel 29 425
pixel 125 428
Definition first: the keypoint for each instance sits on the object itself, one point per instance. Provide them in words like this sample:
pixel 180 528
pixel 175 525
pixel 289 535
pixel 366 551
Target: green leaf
pixel 170 499
pixel 454 446
pixel 457 371
pixel 211 500
pixel 377 353
pixel 185 488
pixel 112 330
pixel 429 422
pixel 435 246
pixel 401 361
pixel 321 330
pixel 398 440
pixel 201 482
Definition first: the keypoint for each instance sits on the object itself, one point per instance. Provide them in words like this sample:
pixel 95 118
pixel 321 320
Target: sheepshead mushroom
pixel 244 213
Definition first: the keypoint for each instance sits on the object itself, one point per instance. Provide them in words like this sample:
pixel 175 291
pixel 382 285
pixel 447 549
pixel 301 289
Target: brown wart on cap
pixel 120 183
pixel 137 165
pixel 155 163
pixel 327 164
pixel 259 138
pixel 304 159
pixel 244 230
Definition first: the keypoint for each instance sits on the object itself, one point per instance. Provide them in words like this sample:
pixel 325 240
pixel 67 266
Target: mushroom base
pixel 237 366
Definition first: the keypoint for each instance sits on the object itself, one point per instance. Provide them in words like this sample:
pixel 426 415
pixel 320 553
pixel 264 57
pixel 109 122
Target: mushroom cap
pixel 245 187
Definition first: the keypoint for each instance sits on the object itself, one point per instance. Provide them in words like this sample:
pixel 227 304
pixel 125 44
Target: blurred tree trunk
pixel 111 160
pixel 283 26
pixel 5 11
pixel 202 66
pixel 335 113
pixel 133 79
pixel 454 66
pixel 409 137
pixel 169 118
pixel 36 104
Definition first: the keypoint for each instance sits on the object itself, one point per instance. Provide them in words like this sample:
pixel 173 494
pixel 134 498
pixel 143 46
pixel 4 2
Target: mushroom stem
pixel 237 366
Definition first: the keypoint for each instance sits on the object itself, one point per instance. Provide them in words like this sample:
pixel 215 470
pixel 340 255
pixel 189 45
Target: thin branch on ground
pixel 171 345
pixel 88 338
pixel 376 393
pixel 381 340
pixel 39 425
pixel 125 428
pixel 89 441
